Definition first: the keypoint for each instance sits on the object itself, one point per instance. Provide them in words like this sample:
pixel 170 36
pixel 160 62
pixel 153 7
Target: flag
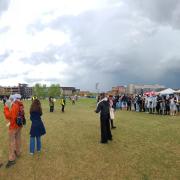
pixel 97 84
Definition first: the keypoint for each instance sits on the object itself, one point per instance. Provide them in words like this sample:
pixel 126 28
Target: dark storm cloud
pixel 171 72
pixel 119 45
pixel 112 52
pixel 161 11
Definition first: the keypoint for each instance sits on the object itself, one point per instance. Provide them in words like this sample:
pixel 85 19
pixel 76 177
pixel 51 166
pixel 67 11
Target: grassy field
pixel 144 147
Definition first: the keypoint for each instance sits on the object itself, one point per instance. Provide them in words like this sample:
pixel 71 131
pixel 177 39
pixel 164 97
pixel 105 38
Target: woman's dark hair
pixel 36 106
pixel 102 95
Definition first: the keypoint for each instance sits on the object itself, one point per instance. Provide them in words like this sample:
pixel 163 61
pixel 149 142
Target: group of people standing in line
pixel 105 105
pixel 153 104
pixel 15 117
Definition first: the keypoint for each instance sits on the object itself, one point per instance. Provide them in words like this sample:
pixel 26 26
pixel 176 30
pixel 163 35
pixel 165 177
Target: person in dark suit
pixel 103 107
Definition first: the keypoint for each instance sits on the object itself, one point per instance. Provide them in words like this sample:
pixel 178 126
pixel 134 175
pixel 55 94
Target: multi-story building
pixel 142 88
pixel 118 90
pixel 9 90
pixel 25 91
pixel 84 93
pixel 22 89
pixel 68 91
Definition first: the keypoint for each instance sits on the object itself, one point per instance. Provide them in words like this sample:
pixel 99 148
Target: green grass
pixel 144 146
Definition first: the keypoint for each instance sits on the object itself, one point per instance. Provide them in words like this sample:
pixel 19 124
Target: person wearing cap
pixel 11 111
pixel 103 107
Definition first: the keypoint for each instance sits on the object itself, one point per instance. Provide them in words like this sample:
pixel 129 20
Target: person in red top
pixel 11 112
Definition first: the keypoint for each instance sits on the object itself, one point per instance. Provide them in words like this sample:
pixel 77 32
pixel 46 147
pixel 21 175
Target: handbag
pixel 19 121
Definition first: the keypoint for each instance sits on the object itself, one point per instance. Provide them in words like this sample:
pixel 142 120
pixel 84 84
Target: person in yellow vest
pixel 63 103
pixel 33 98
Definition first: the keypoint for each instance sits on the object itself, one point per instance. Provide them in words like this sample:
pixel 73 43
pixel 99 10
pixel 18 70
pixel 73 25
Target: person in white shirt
pixel 172 106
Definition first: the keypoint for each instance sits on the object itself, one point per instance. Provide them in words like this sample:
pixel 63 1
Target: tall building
pixel 9 90
pixel 25 91
pixel 22 89
pixel 117 90
pixel 68 91
pixel 142 88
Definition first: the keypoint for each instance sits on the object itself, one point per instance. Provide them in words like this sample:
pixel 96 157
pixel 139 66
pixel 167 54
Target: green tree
pixel 40 91
pixel 54 90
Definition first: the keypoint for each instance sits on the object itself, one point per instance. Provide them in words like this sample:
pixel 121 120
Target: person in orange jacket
pixel 11 111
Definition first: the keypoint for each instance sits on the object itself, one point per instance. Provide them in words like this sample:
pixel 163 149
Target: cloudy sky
pixel 80 42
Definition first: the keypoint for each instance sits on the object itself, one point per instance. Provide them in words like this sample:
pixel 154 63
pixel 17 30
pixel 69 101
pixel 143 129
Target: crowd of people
pixel 153 104
pixel 106 106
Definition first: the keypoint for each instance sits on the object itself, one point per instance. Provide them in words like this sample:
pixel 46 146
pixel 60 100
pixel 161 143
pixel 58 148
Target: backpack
pixel 21 120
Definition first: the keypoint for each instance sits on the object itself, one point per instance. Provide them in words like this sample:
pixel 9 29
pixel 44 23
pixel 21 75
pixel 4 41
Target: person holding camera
pixel 12 109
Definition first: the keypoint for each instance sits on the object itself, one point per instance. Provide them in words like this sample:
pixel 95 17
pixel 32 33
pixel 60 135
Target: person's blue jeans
pixel 32 144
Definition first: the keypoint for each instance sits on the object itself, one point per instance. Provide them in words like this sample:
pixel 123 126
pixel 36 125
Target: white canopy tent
pixel 178 92
pixel 167 91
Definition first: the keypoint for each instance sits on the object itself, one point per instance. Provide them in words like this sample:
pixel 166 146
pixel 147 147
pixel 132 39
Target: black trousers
pixel 129 107
pixel 51 108
pixel 62 109
pixel 105 129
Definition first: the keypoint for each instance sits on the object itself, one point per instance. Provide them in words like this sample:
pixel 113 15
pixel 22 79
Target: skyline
pixel 81 43
pixel 143 86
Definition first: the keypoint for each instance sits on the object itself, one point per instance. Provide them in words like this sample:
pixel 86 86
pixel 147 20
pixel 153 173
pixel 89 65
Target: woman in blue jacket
pixel 37 126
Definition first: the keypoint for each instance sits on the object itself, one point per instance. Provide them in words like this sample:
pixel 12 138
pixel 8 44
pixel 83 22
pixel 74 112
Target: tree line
pixel 42 91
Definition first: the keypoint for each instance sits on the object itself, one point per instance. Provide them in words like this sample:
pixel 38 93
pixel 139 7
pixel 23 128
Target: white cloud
pixel 83 42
